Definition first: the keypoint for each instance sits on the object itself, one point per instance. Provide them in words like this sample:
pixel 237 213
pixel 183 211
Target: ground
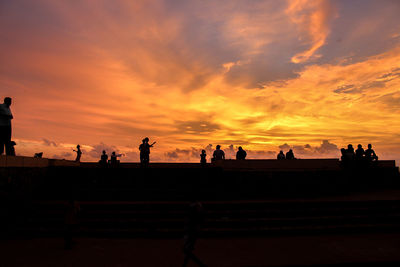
pixel 383 249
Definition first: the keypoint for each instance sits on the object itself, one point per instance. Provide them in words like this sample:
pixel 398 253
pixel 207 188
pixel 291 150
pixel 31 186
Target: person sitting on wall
pixel 350 152
pixel 203 159
pixel 370 154
pixel 343 157
pixel 103 159
pixel 218 154
pixel 114 159
pixel 281 155
pixel 360 153
pixel 10 150
pixel 241 154
pixel 290 154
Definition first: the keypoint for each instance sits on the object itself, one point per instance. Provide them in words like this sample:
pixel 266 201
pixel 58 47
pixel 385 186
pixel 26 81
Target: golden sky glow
pixel 266 75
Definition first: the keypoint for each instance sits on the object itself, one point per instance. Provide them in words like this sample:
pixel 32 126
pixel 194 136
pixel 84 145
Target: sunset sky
pixel 312 75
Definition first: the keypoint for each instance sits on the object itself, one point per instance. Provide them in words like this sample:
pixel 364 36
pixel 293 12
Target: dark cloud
pixel 285 146
pixel 196 127
pixel 97 150
pixel 49 143
pixel 325 148
pixel 64 155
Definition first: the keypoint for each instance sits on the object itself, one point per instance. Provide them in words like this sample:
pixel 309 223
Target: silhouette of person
pixel 218 154
pixel 103 159
pixel 241 154
pixel 343 157
pixel 350 152
pixel 114 159
pixel 281 155
pixel 370 154
pixel 290 154
pixel 5 125
pixel 11 149
pixel 78 153
pixel 203 159
pixel 145 151
pixel 193 223
pixel 360 152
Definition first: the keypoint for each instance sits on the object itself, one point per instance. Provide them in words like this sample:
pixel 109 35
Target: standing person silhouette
pixel 145 152
pixel 218 154
pixel 194 219
pixel 78 153
pixel 5 126
pixel 203 159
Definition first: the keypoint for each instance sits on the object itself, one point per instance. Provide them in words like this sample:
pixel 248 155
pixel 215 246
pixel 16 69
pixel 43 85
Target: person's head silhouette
pixel 370 146
pixel 78 146
pixel 359 146
pixel 350 146
pixel 104 152
pixel 113 153
pixel 240 148
pixel 145 140
pixel 203 152
pixel 218 146
pixel 7 101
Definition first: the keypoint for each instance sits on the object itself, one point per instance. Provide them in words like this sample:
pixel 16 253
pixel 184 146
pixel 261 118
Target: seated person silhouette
pixel 218 154
pixel 343 157
pixel 370 154
pixel 38 155
pixel 114 159
pixel 290 154
pixel 281 155
pixel 203 156
pixel 103 159
pixel 360 152
pixel 10 149
pixel 350 152
pixel 241 154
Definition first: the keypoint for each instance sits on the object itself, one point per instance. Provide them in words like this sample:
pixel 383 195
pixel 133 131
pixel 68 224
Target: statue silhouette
pixel 241 154
pixel 5 126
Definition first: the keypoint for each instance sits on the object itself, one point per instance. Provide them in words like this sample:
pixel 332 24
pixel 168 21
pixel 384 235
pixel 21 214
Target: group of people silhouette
pixel 7 145
pixel 289 155
pixel 368 155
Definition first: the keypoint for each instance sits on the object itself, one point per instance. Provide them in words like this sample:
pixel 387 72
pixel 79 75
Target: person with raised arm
pixel 145 151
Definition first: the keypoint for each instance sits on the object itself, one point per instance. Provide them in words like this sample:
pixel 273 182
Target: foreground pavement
pixel 328 250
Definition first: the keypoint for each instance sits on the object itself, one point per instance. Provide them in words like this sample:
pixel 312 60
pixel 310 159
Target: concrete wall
pixel 10 161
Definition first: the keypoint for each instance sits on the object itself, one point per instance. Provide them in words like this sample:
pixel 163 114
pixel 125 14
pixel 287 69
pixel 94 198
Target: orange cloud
pixel 313 19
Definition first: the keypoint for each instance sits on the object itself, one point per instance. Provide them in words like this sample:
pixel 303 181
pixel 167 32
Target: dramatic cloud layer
pixel 315 75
